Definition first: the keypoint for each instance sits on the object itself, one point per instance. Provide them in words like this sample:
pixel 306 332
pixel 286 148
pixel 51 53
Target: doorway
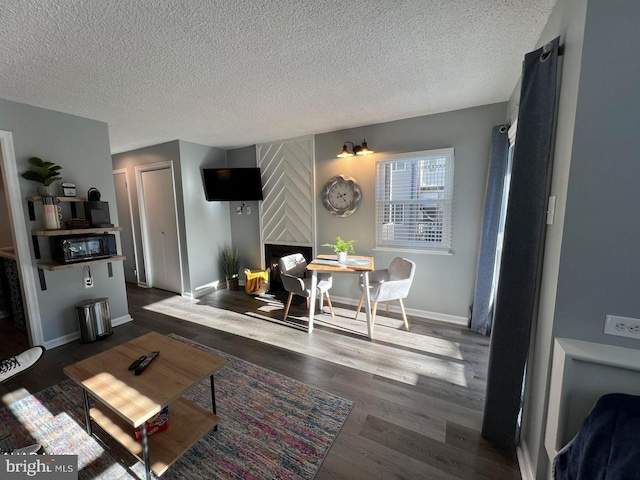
pixel 125 217
pixel 21 314
pixel 159 224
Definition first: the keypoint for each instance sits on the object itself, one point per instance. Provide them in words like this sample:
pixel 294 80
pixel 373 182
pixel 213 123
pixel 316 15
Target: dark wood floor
pixel 417 395
pixel 12 340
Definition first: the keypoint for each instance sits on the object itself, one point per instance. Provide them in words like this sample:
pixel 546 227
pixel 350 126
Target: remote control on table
pixel 137 363
pixel 145 363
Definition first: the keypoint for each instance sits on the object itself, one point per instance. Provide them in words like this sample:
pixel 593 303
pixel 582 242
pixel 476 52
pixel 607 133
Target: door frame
pixel 20 239
pixel 148 270
pixel 124 171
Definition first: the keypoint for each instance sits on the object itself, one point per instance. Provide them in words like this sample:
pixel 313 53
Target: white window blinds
pixel 414 200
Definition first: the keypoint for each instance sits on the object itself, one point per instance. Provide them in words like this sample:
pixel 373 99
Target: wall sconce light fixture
pixel 357 150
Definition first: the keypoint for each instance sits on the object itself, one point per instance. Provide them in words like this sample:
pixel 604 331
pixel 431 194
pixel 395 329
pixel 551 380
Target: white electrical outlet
pixel 248 209
pixel 88 282
pixel 622 326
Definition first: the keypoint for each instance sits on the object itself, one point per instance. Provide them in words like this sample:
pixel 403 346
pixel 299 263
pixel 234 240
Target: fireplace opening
pixel 273 253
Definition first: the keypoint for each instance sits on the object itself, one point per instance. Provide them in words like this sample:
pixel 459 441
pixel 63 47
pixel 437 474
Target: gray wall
pixel 443 283
pixel 245 229
pixel 204 226
pixel 207 223
pixel 81 147
pixel 592 264
pixel 164 152
pixel 600 267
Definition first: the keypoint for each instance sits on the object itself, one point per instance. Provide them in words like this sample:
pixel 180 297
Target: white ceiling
pixel 231 73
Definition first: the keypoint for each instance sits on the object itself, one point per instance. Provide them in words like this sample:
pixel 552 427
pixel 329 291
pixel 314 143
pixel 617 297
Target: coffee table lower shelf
pixel 188 423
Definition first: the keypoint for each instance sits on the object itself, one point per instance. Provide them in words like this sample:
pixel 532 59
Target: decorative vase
pixel 51 213
pixel 46 191
pixel 232 283
pixel 342 257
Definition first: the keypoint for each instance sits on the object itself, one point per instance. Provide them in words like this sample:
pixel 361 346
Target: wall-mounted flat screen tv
pixel 232 184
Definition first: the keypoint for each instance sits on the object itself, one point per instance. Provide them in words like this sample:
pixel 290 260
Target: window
pixel 414 200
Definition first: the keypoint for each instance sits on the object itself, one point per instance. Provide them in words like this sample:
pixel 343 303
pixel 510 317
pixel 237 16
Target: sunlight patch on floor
pixel 41 424
pixel 379 357
pixel 14 396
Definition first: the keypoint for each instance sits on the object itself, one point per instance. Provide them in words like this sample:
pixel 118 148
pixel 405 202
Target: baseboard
pixel 121 320
pixel 142 284
pixel 524 462
pixel 394 307
pixel 208 288
pixel 57 342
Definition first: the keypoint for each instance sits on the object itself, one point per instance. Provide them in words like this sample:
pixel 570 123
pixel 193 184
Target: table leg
pixel 312 306
pixel 86 412
pixel 145 450
pixel 367 301
pixel 213 402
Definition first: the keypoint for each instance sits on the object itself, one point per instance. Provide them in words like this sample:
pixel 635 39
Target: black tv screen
pixel 239 184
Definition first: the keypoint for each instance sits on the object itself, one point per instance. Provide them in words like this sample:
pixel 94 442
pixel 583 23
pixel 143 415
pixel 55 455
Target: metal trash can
pixel 94 319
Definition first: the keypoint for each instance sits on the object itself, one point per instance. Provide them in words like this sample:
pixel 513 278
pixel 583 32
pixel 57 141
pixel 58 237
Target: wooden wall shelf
pixel 54 266
pixel 74 231
pixel 38 198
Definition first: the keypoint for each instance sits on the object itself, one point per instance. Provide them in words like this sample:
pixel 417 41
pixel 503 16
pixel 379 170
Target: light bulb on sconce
pixel 357 150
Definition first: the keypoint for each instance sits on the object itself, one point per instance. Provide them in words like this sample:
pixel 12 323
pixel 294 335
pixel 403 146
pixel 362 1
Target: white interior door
pixel 163 267
pixel 127 242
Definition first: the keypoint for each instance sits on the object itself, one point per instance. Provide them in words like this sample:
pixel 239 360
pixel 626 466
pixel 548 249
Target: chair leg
pixel 330 306
pixel 359 306
pixel 387 307
pixel 286 309
pixel 308 302
pixel 374 309
pixel 404 315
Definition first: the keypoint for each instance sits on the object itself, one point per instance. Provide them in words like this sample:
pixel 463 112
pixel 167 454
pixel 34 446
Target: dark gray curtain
pixel 481 309
pixel 523 245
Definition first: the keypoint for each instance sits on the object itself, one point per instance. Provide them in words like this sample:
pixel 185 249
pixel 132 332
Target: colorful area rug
pixel 271 427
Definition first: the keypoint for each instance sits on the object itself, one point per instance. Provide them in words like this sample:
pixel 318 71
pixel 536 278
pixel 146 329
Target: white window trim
pixel 445 250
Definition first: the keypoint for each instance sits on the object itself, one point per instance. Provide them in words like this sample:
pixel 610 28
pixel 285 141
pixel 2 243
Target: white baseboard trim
pixel 71 337
pixel 208 288
pixel 524 462
pixel 394 307
pixel 115 322
pixel 142 284
pixel 56 342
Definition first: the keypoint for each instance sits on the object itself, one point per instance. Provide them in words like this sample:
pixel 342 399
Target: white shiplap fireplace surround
pixel 287 213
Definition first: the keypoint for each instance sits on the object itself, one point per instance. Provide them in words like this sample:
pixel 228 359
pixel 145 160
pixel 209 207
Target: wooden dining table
pixel 329 264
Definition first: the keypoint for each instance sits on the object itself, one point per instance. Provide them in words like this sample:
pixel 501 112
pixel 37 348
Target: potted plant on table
pixel 230 259
pixel 341 248
pixel 45 173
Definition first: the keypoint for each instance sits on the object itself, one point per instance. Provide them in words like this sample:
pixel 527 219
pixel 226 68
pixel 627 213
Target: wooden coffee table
pixel 126 400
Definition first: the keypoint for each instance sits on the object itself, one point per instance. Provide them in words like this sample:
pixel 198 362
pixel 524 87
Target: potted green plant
pixel 341 248
pixel 230 259
pixel 43 172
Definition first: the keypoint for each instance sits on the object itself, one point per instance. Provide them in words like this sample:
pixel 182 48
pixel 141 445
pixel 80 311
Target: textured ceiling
pixel 231 73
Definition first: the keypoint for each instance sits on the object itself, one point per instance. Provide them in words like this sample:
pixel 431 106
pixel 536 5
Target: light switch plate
pixel 551 210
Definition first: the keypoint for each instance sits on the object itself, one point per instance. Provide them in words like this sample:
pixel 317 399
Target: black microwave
pixel 79 248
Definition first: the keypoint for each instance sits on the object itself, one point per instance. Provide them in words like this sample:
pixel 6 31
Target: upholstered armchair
pixel 292 273
pixel 392 283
